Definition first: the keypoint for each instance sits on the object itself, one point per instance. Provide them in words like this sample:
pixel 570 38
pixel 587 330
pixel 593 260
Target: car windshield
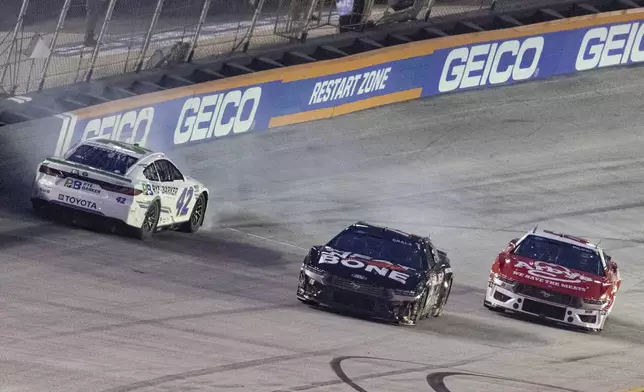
pixel 393 248
pixel 561 253
pixel 102 158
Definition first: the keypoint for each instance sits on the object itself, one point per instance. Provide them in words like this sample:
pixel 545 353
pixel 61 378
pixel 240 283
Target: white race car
pixel 122 182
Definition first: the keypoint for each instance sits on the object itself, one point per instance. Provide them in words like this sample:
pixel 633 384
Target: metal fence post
pixel 97 48
pixel 428 13
pixel 59 27
pixel 148 36
pixel 307 21
pixel 253 23
pixel 14 36
pixel 202 19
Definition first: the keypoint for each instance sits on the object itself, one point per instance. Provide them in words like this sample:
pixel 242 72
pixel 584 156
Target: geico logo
pixel 130 127
pixel 607 46
pixel 491 63
pixel 216 115
pixel 77 201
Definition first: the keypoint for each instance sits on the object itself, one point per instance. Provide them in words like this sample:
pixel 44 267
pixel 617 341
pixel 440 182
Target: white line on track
pixel 266 238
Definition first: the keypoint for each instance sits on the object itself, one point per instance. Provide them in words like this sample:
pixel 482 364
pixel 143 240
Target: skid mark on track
pixel 578 358
pixel 579 212
pixel 229 367
pixel 132 322
pixel 435 380
pixel 336 366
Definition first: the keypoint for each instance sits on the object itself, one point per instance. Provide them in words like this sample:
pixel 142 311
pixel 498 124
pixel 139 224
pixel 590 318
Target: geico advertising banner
pixel 180 121
pixel 448 68
pixel 533 57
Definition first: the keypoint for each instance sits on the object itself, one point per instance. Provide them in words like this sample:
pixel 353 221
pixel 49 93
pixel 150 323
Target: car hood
pixel 552 276
pixel 365 269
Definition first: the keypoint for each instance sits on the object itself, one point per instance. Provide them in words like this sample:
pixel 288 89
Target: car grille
pixel 354 300
pixel 542 309
pixel 548 295
pixel 358 287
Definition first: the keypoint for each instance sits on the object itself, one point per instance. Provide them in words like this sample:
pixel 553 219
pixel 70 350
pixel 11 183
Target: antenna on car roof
pixel 534 230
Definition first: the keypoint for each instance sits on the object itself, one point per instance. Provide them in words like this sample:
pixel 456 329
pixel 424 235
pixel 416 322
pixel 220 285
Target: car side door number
pixel 183 204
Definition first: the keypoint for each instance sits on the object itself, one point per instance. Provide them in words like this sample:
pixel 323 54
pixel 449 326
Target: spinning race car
pixel 122 182
pixel 377 271
pixel 554 276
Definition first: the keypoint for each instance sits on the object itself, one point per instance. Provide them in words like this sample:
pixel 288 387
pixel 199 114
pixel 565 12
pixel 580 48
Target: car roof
pixel 131 149
pixel 377 229
pixel 566 238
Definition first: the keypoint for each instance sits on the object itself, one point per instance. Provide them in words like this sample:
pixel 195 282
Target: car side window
pixel 151 173
pixel 164 170
pixel 176 173
pixel 430 255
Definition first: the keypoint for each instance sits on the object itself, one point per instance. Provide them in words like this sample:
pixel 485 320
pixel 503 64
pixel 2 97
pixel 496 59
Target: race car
pixel 555 276
pixel 120 182
pixel 379 272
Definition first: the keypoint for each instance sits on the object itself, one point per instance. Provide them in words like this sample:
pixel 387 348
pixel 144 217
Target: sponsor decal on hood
pixel 367 267
pixel 552 276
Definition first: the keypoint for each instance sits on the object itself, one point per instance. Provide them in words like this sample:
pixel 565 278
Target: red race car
pixel 554 276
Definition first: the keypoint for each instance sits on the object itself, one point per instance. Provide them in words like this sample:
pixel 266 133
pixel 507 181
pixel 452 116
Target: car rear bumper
pixel 500 297
pixel 51 191
pixel 316 289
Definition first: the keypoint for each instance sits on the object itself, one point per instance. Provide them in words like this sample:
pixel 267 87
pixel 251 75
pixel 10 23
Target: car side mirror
pixel 512 245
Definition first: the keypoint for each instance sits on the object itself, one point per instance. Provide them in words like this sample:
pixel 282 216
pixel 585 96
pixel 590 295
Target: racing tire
pixel 424 312
pixel 301 285
pixel 443 296
pixel 196 217
pixel 416 311
pixel 150 221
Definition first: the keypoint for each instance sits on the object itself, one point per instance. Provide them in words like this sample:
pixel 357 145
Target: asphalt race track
pixel 88 311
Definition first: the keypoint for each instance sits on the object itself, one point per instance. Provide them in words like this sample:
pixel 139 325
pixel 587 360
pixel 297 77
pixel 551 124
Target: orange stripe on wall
pixel 328 67
pixel 377 101
pixel 320 114
pixel 312 115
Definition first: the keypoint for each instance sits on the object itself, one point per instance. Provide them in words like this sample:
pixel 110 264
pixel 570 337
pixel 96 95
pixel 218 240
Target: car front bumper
pixel 336 293
pixel 501 295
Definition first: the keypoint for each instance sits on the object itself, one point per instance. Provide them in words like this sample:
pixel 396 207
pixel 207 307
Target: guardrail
pixel 52 43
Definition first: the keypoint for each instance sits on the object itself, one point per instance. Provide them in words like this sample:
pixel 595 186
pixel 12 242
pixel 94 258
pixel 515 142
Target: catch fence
pixel 51 43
